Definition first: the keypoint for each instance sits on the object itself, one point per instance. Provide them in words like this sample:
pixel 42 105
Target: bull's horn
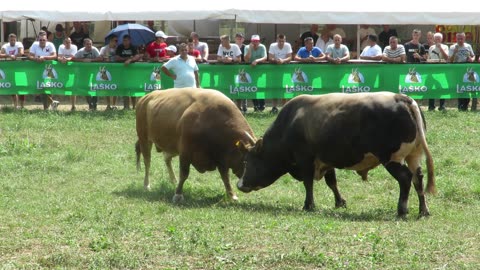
pixel 250 137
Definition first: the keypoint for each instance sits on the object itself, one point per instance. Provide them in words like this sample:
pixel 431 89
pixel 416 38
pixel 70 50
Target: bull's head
pixel 261 168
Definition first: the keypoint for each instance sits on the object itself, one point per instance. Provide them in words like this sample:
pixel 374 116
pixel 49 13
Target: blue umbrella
pixel 139 34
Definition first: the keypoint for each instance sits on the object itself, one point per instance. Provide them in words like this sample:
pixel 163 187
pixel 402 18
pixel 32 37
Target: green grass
pixel 70 198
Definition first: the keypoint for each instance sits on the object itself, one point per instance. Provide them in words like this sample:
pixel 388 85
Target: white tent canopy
pixel 253 11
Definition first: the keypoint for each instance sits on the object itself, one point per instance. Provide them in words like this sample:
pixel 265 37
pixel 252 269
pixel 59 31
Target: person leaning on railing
pixel 462 52
pixel 394 53
pixel 41 51
pixel 337 52
pixel 12 51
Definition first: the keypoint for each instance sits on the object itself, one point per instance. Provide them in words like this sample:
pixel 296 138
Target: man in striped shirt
pixel 395 53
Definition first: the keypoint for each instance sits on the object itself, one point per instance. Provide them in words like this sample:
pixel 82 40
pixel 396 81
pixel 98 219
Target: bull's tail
pixel 138 152
pixel 421 130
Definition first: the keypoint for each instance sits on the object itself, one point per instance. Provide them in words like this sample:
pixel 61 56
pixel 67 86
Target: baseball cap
pixel 172 48
pixel 160 34
pixel 255 38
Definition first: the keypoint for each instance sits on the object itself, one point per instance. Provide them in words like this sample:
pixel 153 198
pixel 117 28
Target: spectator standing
pixel 41 51
pixel 228 53
pixel 127 53
pixel 185 69
pixel 239 40
pixel 334 30
pixel 364 31
pixel 11 51
pixel 394 53
pixel 462 52
pixel 372 51
pixel 324 41
pixel 66 53
pixel 279 53
pixel 337 52
pixel 202 47
pixel 193 52
pixel 384 36
pixel 309 53
pixel 414 50
pixel 430 42
pixel 156 50
pixel 256 53
pixel 108 52
pixel 88 54
pixel 79 35
pixel 58 36
pixel 439 53
pixel 310 33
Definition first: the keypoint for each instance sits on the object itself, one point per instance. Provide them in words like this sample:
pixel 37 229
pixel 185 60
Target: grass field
pixel 70 198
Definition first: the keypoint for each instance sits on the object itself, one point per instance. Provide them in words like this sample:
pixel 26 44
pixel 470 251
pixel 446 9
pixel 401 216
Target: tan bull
pixel 203 127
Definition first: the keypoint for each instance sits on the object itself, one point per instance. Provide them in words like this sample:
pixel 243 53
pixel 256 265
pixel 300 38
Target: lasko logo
pixel 356 77
pixel 4 84
pixel 243 77
pixel 413 76
pixel 103 74
pixel 49 72
pixel 155 75
pixel 299 76
pixel 471 76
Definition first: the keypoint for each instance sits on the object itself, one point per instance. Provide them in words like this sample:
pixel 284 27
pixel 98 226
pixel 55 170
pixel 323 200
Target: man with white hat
pixel 171 51
pixel 256 53
pixel 156 51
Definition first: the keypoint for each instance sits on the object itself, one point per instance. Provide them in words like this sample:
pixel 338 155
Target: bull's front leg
pixel 309 200
pixel 331 180
pixel 226 182
pixel 184 172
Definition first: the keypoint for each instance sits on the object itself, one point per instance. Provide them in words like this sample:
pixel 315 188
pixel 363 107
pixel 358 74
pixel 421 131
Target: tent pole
pixel 1 30
pixel 358 41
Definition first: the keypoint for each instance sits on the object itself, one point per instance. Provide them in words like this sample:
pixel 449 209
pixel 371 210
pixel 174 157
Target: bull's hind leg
pixel 168 162
pixel 226 182
pixel 404 177
pixel 413 162
pixel 184 172
pixel 146 150
pixel 331 180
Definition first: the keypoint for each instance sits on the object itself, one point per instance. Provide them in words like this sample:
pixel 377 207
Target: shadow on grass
pixel 198 199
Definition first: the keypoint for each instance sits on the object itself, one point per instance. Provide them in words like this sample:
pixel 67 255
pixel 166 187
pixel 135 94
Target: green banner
pixel 242 81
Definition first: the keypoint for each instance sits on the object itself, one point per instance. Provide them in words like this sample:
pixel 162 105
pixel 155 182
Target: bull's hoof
pixel 234 198
pixel 309 208
pixel 147 187
pixel 424 213
pixel 341 204
pixel 177 198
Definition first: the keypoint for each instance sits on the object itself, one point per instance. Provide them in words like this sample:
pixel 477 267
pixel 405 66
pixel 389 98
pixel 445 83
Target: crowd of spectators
pixel 326 47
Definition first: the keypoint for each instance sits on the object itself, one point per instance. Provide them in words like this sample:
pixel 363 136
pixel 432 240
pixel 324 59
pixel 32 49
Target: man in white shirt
pixel 324 41
pixel 279 52
pixel 11 51
pixel 66 52
pixel 227 52
pixel 41 51
pixel 184 67
pixel 372 51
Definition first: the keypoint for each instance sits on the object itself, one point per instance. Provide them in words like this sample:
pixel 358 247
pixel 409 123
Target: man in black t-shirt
pixel 414 49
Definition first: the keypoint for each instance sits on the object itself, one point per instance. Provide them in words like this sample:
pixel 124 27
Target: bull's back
pixel 341 128
pixel 165 116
